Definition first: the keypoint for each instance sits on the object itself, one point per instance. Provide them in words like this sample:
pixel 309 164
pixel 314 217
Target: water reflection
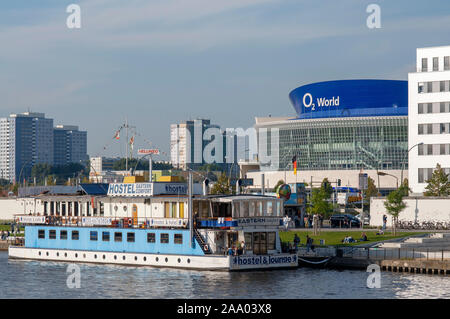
pixel 36 279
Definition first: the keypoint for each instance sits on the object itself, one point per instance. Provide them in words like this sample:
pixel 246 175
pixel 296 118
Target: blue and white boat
pixel 156 224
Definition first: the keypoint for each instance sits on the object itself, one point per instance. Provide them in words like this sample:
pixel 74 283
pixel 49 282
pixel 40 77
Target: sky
pixel 159 62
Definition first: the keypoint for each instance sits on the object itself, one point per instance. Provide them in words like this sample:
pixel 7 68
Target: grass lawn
pixel 8 227
pixel 335 238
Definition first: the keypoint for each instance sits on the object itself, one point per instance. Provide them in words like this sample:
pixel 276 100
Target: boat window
pixel 41 233
pixel 269 208
pixel 130 237
pixel 52 234
pixel 174 210
pixel 236 209
pixel 195 208
pixel 75 235
pixel 248 240
pixel 94 235
pixel 105 236
pixel 151 237
pixel 164 238
pixel 178 238
pixel 118 236
pixel 63 234
pixel 244 206
pixel 251 209
pixel 166 209
pixel 204 210
pixel 271 241
pixel 181 210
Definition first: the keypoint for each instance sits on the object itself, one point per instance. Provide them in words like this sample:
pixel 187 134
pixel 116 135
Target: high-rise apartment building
pixel 26 139
pixel 193 144
pixel 429 116
pixel 70 145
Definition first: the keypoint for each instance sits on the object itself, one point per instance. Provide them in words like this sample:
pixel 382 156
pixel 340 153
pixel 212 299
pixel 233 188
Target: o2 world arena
pixel 342 128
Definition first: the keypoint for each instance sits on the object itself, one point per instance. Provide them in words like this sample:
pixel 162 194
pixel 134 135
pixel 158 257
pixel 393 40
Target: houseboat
pixel 155 224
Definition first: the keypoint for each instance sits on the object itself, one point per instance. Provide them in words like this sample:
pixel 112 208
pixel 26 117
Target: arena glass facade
pixel 344 125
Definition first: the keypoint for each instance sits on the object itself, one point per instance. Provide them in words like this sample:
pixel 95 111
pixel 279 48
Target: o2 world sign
pixel 308 101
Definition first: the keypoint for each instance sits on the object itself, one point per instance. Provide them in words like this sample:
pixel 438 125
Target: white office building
pixel 428 116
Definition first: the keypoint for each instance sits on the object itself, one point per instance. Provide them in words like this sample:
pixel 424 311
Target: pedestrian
pixel 286 221
pixel 243 247
pixel 384 221
pixel 296 242
pixel 308 243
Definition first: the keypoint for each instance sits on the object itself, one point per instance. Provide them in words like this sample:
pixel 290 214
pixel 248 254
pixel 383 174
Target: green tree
pixel 222 186
pixel 320 203
pixel 438 184
pixel 371 189
pixel 395 205
pixel 326 187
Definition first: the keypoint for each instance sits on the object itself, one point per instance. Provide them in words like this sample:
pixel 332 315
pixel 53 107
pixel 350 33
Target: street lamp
pixel 404 158
pixel 384 174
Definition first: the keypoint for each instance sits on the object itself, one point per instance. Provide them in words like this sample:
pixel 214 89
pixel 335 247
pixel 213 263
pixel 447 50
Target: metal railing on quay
pixel 375 253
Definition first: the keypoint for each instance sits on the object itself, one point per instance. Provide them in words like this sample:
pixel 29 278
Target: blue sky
pixel 159 62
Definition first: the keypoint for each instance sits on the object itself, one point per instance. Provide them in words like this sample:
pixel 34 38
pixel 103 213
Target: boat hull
pixel 213 262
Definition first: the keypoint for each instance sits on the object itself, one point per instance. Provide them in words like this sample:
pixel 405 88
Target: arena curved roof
pixel 351 98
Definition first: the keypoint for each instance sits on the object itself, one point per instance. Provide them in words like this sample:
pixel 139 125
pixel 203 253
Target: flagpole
pixel 126 160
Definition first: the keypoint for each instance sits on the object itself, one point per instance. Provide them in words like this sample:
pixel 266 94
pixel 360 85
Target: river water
pixel 37 279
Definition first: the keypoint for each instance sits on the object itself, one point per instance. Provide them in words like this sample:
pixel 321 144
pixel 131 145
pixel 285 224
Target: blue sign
pixel 347 98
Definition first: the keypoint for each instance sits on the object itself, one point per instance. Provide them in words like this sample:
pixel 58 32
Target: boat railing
pixel 103 221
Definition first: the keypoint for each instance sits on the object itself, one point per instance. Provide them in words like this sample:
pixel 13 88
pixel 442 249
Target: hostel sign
pixel 150 189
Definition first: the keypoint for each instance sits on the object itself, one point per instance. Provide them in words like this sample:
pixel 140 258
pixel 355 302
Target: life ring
pixel 206 247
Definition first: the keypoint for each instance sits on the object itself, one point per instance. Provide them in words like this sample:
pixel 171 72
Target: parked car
pixel 344 221
pixel 366 220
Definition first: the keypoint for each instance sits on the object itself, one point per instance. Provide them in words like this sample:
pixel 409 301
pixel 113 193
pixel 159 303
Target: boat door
pixel 259 243
pixel 135 215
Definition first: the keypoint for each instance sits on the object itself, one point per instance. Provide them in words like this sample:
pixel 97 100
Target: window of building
pixel 151 238
pixel 105 236
pixel 441 86
pixel 164 238
pixel 420 108
pixel 52 234
pixel 94 235
pixel 424 64
pixel 75 235
pixel 117 236
pixel 178 238
pixel 435 64
pixel 63 234
pixel 130 237
pixel 447 63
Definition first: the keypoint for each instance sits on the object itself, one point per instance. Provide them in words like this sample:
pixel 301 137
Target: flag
pixel 132 142
pixel 116 136
pixel 294 164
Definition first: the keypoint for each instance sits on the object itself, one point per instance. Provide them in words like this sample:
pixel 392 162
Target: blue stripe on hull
pixel 140 244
